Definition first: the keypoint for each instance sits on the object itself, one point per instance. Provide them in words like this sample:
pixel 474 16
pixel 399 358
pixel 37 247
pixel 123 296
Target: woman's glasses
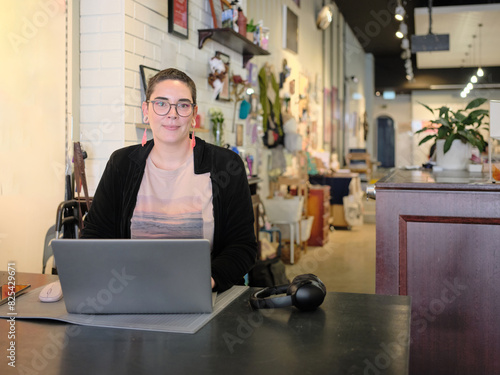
pixel 162 107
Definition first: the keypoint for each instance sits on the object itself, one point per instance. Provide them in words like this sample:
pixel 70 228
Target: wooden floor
pixel 345 264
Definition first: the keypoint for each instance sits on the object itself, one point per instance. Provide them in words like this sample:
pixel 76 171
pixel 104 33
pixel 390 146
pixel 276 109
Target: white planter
pixel 457 157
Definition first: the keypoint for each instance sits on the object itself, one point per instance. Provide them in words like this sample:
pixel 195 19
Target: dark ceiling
pixel 390 72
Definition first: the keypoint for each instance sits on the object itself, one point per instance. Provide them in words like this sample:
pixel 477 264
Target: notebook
pixel 129 276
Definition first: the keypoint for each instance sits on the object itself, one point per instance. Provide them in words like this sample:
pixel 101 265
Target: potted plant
pixel 460 129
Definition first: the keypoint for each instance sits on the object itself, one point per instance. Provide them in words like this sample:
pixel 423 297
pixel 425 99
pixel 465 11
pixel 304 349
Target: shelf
pixel 233 40
pixel 146 126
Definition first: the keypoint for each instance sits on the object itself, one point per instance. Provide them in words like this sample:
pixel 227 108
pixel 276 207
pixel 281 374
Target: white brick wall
pixel 116 37
pixel 102 112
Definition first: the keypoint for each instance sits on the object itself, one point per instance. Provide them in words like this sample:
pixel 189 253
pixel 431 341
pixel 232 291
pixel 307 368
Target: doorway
pixel 385 142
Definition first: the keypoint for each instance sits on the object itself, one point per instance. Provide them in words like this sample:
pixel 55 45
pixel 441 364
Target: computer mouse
pixel 51 292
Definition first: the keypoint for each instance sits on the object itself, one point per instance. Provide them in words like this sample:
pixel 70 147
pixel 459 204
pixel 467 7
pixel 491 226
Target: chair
pixel 287 212
pixel 360 162
pixel 67 226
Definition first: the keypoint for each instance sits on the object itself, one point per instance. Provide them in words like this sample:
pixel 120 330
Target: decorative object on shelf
pixel 290 30
pixel 219 78
pixel 217 120
pixel 216 9
pixel 237 92
pixel 456 129
pixel 178 18
pixel 242 23
pixel 146 74
pixel 251 28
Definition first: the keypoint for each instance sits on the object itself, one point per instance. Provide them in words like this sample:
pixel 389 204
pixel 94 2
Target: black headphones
pixel 306 292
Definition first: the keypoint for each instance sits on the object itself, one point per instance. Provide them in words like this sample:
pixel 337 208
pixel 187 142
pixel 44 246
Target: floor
pixel 345 264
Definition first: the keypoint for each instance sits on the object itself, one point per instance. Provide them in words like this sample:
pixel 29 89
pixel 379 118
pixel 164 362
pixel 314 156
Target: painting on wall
pixel 290 30
pixel 178 18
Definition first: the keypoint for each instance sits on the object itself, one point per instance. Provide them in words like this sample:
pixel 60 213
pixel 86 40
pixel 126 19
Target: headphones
pixel 306 292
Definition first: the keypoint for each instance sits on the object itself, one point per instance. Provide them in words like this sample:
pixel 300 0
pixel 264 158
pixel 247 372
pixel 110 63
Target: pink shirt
pixel 174 204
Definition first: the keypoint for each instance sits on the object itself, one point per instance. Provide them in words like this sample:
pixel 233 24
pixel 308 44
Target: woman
pixel 176 187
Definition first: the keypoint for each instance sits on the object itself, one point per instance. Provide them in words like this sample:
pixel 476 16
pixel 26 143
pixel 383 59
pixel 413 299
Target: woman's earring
pixel 193 140
pixel 145 134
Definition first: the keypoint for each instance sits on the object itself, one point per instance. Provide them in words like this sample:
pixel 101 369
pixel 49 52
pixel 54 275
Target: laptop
pixel 129 276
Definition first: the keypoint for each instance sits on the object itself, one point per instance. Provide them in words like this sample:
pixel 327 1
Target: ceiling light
pixel 405 43
pixel 480 72
pixel 473 79
pixel 399 13
pixel 463 94
pixel 470 86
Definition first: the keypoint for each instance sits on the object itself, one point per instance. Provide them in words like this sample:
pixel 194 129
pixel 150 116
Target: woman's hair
pixel 172 74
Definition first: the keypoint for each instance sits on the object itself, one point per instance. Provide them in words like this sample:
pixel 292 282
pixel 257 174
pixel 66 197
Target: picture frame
pixel 216 9
pixel 224 95
pixel 178 19
pixel 146 74
pixel 290 30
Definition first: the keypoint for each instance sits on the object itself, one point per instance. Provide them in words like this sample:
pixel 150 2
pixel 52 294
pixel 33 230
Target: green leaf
pixel 443 131
pixel 475 103
pixel 443 111
pixel 428 138
pixel 448 142
pixel 426 106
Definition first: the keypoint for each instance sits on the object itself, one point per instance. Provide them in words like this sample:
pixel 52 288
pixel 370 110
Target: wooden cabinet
pixel 318 205
pixel 438 242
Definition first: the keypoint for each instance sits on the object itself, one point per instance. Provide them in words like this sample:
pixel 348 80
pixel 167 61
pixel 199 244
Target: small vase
pixel 457 157
pixel 218 132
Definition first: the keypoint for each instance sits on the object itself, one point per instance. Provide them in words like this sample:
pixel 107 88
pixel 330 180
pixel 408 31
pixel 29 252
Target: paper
pixel 30 307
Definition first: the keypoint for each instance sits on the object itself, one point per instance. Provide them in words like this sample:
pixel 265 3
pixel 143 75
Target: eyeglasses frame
pixel 172 105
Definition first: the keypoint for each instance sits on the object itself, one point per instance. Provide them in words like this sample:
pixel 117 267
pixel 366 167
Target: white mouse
pixel 51 292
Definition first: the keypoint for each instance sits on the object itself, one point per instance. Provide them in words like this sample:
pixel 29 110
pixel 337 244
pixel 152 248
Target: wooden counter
pixel 438 242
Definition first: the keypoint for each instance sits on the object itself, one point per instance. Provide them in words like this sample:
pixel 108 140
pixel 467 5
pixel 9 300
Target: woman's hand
pixel 213 282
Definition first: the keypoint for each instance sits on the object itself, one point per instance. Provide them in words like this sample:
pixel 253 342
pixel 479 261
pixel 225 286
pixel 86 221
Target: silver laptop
pixel 134 276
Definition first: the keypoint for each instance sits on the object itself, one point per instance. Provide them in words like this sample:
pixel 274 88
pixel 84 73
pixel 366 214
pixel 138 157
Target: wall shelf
pixel 233 40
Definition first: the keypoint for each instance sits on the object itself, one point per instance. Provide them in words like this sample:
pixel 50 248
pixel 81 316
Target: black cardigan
pixel 234 247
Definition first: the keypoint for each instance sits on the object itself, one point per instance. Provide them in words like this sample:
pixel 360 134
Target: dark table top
pixel 348 334
pixel 425 179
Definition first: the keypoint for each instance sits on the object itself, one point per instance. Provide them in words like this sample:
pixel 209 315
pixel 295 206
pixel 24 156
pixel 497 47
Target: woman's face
pixel 171 128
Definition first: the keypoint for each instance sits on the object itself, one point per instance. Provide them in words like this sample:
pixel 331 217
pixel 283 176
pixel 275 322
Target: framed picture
pixel 224 93
pixel 178 18
pixel 290 30
pixel 146 74
pixel 216 9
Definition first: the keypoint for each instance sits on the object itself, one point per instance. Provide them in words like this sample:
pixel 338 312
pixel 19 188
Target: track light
pixel 403 30
pixel 399 13
pixel 473 79
pixel 480 72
